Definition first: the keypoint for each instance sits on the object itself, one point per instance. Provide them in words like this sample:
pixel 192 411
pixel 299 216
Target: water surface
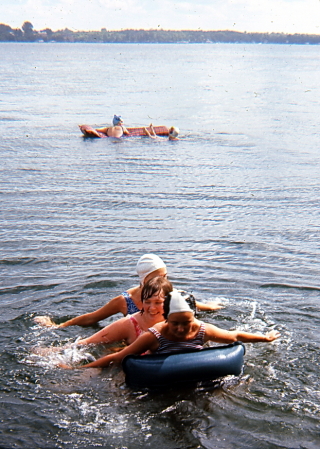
pixel 232 208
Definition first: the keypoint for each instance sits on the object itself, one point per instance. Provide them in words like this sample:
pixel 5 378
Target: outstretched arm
pixel 125 131
pixel 152 130
pixel 145 342
pixel 148 133
pixel 151 133
pixel 218 335
pixel 115 305
pixel 120 330
pixel 208 306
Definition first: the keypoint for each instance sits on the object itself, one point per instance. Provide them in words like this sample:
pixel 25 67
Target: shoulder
pixel 135 294
pixel 129 298
pixel 135 317
pixel 208 327
pixel 160 326
pixel 121 322
pixel 197 323
pixel 120 297
pixel 147 340
pixel 133 291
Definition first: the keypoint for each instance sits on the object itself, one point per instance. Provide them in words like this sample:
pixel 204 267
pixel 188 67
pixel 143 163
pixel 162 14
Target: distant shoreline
pixel 156 36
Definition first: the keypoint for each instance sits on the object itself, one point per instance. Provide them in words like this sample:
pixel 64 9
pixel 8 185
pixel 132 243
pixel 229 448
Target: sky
pixel 284 16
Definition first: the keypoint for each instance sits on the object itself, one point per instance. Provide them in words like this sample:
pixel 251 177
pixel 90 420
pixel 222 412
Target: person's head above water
pixel 156 286
pixel 173 132
pixel 117 120
pixel 176 302
pixel 149 263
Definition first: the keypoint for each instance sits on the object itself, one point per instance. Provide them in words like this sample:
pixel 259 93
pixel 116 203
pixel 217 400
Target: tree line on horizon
pixel 27 34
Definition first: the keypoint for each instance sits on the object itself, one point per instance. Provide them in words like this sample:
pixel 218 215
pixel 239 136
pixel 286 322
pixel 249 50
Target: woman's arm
pixel 115 305
pixel 208 306
pixel 125 131
pixel 218 335
pixel 152 130
pixel 122 329
pixel 148 133
pixel 101 130
pixel 145 342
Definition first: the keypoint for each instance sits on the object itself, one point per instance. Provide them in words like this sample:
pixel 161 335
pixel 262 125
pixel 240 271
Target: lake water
pixel 232 208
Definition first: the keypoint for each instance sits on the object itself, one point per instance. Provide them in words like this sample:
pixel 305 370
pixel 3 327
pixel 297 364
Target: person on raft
pixel 116 130
pixel 129 302
pixel 179 332
pixel 173 133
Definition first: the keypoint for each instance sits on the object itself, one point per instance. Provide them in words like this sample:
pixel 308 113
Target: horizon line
pixel 167 29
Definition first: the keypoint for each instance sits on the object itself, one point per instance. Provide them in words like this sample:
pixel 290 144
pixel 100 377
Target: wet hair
pixel 156 285
pixel 190 299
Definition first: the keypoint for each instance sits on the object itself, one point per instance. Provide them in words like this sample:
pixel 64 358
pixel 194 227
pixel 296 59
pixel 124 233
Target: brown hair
pixel 156 285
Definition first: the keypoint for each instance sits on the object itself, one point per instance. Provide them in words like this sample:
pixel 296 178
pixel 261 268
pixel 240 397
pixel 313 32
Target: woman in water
pixel 129 328
pixel 117 130
pixel 173 133
pixel 180 331
pixel 148 267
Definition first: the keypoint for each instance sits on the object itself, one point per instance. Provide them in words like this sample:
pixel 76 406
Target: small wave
pixel 18 261
pixel 30 169
pixel 298 287
pixel 101 284
pixel 23 288
pixel 9 119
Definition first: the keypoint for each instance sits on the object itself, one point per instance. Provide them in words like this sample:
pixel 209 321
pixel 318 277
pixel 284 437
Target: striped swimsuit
pixel 169 346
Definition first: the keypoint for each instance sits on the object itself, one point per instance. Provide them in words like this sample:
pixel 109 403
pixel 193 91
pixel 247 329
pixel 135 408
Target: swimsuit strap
pixel 137 328
pixel 155 332
pixel 201 332
pixel 132 308
pixel 169 346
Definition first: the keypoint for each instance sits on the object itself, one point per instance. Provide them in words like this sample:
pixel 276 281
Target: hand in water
pixel 272 335
pixel 210 306
pixel 45 321
pixel 64 366
pixel 215 305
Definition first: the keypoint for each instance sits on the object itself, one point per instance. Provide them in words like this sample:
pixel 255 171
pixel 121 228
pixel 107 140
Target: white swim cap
pixel 148 263
pixel 174 131
pixel 178 303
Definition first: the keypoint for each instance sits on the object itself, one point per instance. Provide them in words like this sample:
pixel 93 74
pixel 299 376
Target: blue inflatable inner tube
pixel 153 371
